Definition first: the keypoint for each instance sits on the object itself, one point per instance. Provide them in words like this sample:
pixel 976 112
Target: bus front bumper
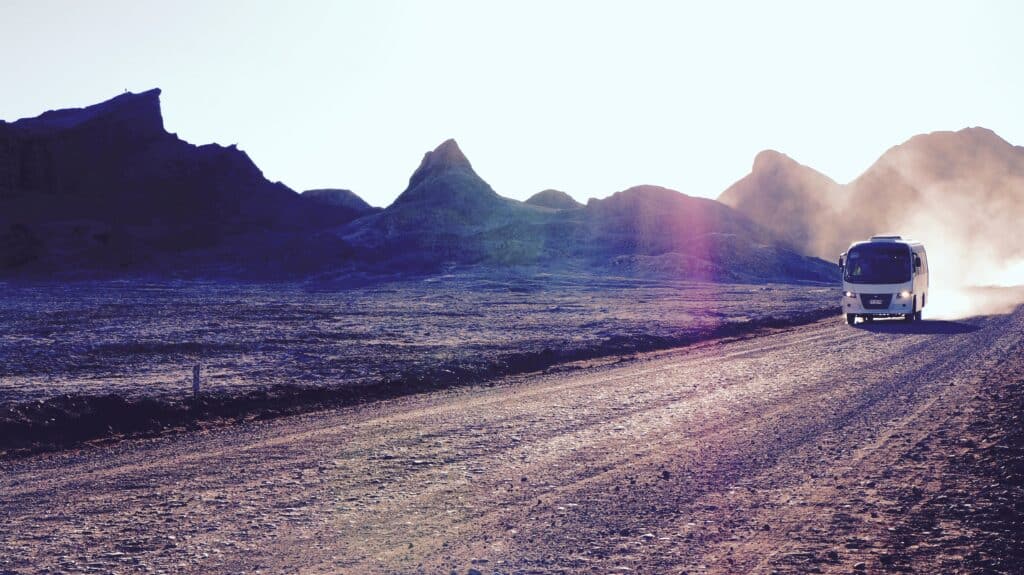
pixel 878 304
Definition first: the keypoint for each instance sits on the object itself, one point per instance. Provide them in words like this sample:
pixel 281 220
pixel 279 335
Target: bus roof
pixel 889 239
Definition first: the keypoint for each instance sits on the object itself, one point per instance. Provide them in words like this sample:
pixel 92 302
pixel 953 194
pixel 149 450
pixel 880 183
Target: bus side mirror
pixel 840 262
pixel 917 262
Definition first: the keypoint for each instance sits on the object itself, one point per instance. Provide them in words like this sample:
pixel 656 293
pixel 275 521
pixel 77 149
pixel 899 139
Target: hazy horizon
pixel 584 98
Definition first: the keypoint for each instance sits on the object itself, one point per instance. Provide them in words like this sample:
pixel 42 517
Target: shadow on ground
pixel 924 327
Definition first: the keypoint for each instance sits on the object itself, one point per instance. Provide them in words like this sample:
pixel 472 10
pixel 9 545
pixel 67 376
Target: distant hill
pixel 650 229
pixel 962 190
pixel 554 199
pixel 790 199
pixel 105 189
pixel 655 220
pixel 346 200
pixel 450 215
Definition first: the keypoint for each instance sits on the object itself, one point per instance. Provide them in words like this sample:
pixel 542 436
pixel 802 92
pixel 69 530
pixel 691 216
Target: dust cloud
pixel 968 274
pixel 956 302
pixel 976 259
pixel 960 194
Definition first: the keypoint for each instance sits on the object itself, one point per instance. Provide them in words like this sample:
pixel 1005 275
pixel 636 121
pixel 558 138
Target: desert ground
pixel 84 360
pixel 142 339
pixel 820 448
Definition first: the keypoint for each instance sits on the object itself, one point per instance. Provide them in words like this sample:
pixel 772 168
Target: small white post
pixel 195 381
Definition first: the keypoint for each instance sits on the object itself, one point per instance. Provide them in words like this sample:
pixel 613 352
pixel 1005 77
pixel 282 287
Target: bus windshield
pixel 878 264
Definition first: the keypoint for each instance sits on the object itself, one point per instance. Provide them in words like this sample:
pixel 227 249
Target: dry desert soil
pixel 824 448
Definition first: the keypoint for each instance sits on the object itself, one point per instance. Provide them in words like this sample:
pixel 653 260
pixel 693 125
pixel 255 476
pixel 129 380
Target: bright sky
pixel 587 97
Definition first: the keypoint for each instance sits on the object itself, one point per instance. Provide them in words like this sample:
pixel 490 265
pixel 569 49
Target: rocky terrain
pixel 465 383
pixel 83 360
pixel 449 213
pixel 105 190
pixel 888 448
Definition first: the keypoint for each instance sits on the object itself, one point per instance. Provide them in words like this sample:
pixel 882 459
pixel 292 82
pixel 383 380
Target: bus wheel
pixel 851 318
pixel 909 316
pixel 917 315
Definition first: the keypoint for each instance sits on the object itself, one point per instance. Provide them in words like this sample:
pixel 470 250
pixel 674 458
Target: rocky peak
pixel 445 178
pixel 129 112
pixel 445 157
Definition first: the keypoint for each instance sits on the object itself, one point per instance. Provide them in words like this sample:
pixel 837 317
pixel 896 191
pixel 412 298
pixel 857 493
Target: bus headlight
pixel 905 294
pixel 850 294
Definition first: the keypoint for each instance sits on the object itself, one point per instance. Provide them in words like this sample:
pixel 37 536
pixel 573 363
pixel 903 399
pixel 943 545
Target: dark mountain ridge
pixel 106 188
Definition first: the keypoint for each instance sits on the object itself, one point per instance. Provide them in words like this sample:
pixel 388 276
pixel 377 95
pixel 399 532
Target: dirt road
pixel 823 448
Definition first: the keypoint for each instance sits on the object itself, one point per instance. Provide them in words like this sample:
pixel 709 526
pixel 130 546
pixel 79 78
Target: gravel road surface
pixel 824 448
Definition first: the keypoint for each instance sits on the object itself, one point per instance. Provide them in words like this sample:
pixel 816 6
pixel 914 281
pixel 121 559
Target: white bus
pixel 885 276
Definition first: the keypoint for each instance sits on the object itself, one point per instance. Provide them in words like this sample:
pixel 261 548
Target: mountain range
pixel 961 191
pixel 107 190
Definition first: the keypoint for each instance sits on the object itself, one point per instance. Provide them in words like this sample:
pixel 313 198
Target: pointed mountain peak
pixel 449 153
pixel 443 158
pixel 445 177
